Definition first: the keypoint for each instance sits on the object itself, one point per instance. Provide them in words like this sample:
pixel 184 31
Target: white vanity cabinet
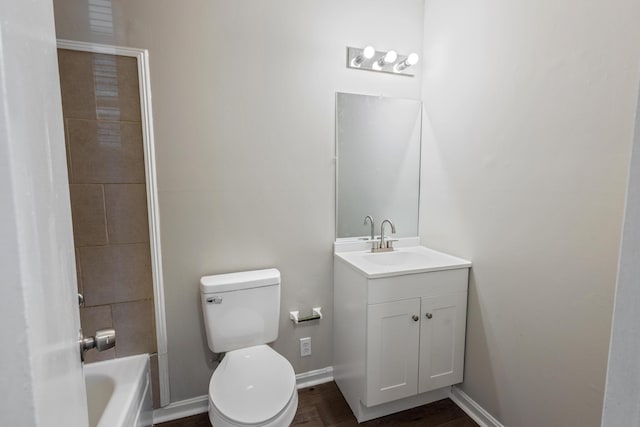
pixel 398 340
pixel 442 336
pixel 414 346
pixel 392 359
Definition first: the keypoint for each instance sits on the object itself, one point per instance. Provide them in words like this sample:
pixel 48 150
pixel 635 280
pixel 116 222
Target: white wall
pixel 529 111
pixel 41 381
pixel 243 101
pixel 622 393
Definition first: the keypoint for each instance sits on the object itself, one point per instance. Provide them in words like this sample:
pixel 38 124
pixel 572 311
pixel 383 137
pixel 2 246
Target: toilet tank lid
pixel 241 280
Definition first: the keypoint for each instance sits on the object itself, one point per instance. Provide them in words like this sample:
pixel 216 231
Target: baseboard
pixel 472 408
pixel 181 409
pixel 200 404
pixel 311 378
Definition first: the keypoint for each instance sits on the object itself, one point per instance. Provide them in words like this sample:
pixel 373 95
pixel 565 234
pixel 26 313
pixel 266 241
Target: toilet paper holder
pixel 316 314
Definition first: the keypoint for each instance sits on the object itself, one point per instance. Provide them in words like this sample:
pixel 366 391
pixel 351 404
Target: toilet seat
pixel 283 419
pixel 253 386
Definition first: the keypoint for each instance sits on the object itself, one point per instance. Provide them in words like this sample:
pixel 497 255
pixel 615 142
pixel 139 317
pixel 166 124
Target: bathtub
pixel 119 392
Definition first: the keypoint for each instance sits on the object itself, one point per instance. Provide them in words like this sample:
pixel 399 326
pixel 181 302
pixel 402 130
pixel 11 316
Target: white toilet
pixel 253 385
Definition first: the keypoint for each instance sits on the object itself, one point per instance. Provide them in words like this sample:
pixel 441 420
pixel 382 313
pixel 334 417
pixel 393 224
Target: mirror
pixel 378 164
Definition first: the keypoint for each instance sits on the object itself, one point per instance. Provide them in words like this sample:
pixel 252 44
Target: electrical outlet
pixel 305 347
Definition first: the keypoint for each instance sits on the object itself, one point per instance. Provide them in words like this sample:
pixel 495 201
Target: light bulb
pixel 412 59
pixel 368 52
pixel 390 57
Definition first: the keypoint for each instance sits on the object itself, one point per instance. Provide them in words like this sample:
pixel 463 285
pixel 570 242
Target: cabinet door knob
pixel 429 315
pixel 415 318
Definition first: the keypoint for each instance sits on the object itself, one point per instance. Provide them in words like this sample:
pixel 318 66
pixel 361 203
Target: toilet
pixel 253 385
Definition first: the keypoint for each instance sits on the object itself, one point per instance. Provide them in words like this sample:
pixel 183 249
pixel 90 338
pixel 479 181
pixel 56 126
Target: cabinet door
pixel 393 332
pixel 442 333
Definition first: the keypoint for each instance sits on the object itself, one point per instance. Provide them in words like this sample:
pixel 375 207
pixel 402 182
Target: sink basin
pixel 398 257
pixel 407 260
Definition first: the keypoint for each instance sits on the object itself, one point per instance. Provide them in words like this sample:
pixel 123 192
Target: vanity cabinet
pixel 414 346
pixel 399 340
pixel 393 339
pixel 442 337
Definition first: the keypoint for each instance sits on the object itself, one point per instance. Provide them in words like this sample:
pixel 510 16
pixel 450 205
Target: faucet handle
pixel 103 340
pixel 389 243
pixel 375 244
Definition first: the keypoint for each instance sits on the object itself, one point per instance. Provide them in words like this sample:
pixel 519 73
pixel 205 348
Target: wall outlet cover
pixel 305 347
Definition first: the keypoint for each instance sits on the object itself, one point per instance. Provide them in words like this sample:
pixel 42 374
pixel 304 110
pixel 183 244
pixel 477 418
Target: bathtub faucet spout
pixel 103 340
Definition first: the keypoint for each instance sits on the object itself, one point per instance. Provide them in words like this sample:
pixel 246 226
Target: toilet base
pixel 283 419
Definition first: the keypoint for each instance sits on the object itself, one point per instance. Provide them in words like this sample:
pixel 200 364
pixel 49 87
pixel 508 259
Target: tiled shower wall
pixel 105 159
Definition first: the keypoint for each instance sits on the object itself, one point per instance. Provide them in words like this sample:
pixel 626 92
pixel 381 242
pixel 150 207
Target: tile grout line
pixel 84 119
pixel 106 222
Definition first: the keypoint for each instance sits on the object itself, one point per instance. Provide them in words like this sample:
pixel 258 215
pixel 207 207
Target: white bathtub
pixel 119 392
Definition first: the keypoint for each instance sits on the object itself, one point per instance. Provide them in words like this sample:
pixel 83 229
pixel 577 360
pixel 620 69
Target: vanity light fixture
pixel 386 62
pixel 367 53
pixel 410 60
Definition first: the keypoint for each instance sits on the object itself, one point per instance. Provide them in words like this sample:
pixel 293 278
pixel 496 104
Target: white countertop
pixel 401 261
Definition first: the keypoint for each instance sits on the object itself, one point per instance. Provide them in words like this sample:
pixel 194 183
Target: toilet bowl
pixel 253 385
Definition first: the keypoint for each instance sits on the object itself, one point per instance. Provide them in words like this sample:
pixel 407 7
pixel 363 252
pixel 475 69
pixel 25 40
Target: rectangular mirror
pixel 378 163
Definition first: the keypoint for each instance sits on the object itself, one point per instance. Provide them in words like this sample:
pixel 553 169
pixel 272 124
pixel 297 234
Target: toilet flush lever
pixel 214 300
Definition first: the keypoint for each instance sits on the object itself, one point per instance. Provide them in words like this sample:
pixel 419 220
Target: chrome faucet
pixel 104 339
pixel 382 246
pixel 370 218
pixel 393 230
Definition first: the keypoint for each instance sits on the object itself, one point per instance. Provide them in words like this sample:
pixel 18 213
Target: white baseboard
pixel 200 404
pixel 311 378
pixel 472 408
pixel 181 409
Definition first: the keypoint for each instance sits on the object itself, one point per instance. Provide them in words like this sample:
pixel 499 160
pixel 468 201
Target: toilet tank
pixel 241 309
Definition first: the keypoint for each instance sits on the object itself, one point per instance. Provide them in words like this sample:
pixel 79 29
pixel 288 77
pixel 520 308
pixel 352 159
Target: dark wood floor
pixel 324 406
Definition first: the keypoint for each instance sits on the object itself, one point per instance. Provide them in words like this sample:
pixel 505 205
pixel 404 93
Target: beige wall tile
pixel 155 380
pixel 116 273
pixel 117 90
pixel 135 328
pixel 92 319
pixel 109 151
pixel 77 84
pixel 127 213
pixel 105 152
pixel 88 215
